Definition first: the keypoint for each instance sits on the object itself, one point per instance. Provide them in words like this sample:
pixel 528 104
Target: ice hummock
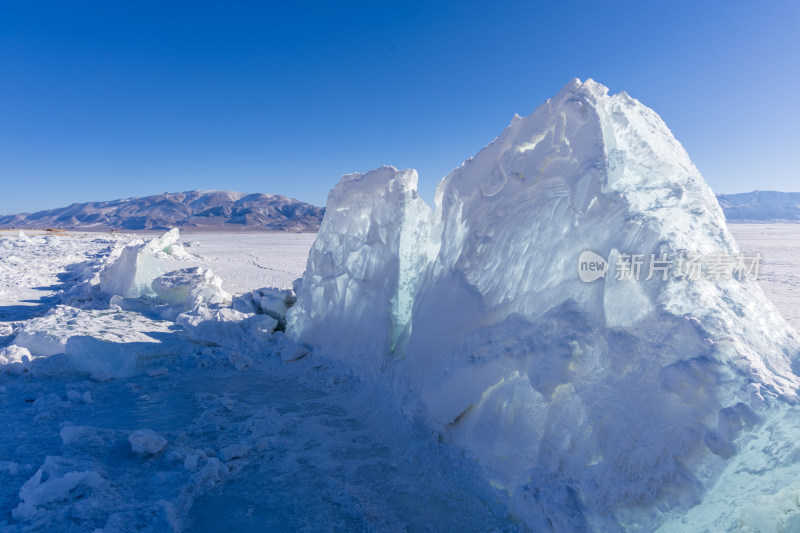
pixel 138 264
pixel 364 267
pixel 135 278
pixel 607 405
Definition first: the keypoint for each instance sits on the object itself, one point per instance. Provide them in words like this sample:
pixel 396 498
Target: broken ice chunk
pixel 190 286
pixel 146 442
pixel 234 451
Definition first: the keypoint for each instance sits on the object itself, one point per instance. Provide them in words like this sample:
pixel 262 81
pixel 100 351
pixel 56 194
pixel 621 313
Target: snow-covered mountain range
pixel 192 210
pixel 761 206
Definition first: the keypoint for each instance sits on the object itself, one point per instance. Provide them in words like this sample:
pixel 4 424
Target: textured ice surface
pixel 606 405
pixel 759 489
pixel 33 268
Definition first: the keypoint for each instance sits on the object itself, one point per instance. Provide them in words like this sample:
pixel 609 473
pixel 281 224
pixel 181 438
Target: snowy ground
pixel 211 431
pixel 205 434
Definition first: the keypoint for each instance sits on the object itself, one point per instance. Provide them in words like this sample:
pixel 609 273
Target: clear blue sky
pixel 109 99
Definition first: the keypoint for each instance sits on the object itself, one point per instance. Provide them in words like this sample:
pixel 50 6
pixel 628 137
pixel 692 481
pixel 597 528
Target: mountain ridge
pixel 761 206
pixel 188 210
pixel 209 210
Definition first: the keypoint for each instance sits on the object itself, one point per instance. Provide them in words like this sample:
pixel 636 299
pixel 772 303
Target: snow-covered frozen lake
pixel 245 262
pixel 779 246
pixel 240 434
pixel 249 261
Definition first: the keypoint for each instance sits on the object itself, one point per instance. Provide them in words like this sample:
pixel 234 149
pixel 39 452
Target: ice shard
pixel 355 297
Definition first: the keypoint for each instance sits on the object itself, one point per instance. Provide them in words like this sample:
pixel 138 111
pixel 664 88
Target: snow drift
pixel 608 405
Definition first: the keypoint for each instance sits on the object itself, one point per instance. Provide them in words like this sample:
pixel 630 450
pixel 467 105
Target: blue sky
pixel 103 100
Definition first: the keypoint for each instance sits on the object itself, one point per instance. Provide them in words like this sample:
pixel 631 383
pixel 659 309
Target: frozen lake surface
pixel 252 441
pixel 249 261
pixel 779 246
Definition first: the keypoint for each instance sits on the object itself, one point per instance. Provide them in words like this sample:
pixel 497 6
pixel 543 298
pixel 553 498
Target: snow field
pixel 117 419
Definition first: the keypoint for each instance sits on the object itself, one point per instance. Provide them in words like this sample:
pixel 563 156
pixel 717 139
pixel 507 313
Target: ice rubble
pixel 83 482
pixel 15 359
pixel 608 405
pixel 103 343
pixel 126 300
pixel 136 279
pixel 104 331
pixel 188 287
pixel 267 301
pixel 56 480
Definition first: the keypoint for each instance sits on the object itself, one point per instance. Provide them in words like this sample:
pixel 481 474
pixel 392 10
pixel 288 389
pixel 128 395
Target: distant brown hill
pixel 193 210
